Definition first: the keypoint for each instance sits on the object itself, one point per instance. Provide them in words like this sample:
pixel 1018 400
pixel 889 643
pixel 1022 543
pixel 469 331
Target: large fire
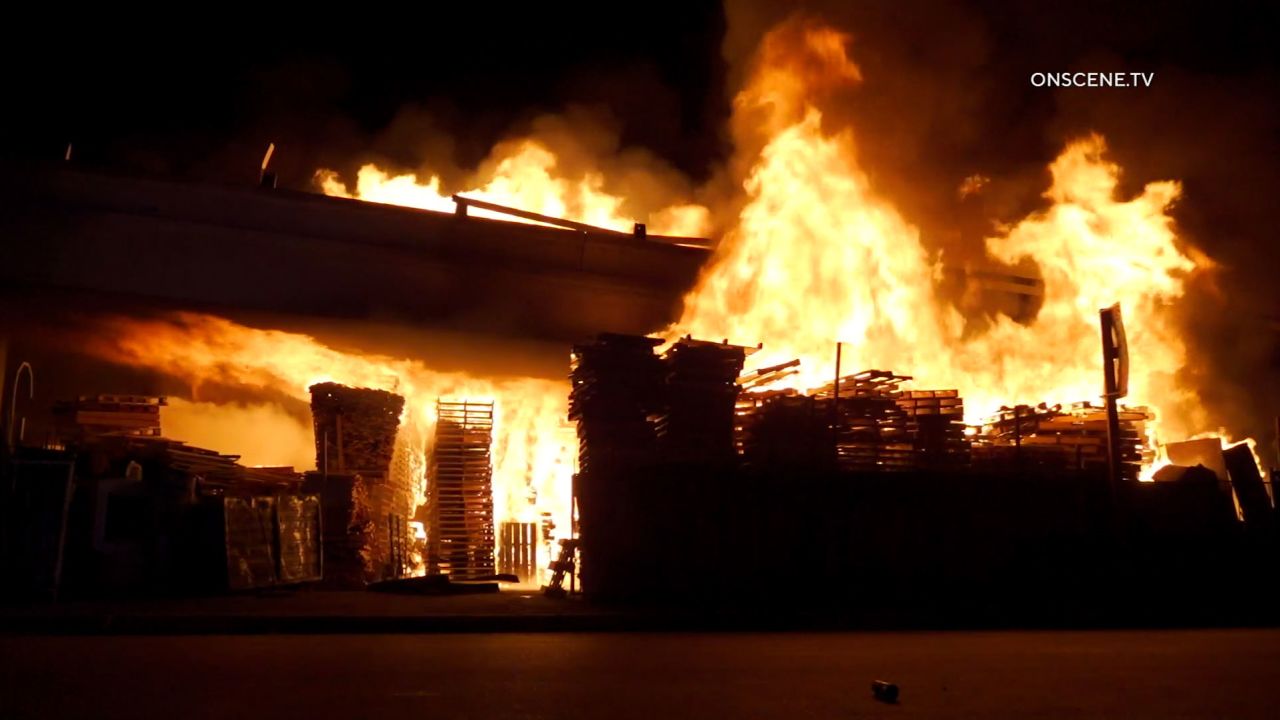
pixel 532 465
pixel 819 257
pixel 816 256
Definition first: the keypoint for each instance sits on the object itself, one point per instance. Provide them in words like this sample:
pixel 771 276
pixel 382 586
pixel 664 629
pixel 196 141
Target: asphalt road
pixel 1121 674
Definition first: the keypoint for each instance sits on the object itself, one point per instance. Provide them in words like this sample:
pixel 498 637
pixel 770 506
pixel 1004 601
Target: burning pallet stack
pixel 873 426
pixel 1054 438
pixel 617 384
pixel 460 534
pixel 872 433
pixel 697 423
pixel 936 423
pixel 357 436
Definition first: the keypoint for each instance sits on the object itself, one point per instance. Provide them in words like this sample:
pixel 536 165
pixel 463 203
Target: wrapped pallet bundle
pixel 355 428
pixel 358 433
pixel 347 529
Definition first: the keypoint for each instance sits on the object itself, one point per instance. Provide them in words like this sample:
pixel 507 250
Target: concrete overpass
pixel 170 244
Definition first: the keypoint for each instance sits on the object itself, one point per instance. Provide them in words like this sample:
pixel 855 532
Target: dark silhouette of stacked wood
pixel 460 535
pixel 617 385
pixel 697 422
pixel 208 471
pixel 936 424
pixel 784 429
pixel 872 426
pixel 95 415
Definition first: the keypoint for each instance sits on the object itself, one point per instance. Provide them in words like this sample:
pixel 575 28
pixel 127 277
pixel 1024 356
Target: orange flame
pixel 532 458
pixel 523 175
pixel 818 256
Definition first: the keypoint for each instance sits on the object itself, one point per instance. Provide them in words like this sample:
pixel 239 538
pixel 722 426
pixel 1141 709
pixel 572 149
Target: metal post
pixel 839 347
pixel 1110 360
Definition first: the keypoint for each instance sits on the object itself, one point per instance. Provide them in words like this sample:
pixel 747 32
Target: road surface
pixel 1122 674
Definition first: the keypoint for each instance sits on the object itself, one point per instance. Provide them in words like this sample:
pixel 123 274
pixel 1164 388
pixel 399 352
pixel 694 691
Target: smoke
pixel 261 433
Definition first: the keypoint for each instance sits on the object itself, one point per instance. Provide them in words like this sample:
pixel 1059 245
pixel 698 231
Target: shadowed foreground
pixel 1188 673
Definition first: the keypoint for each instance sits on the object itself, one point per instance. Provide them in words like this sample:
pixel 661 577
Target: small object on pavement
pixel 884 691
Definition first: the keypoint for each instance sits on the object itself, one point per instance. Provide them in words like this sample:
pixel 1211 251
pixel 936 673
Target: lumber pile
pixel 697 422
pixel 347 528
pixel 207 472
pixel 617 383
pixel 872 432
pixel 460 534
pixel 866 424
pixel 97 415
pixel 784 429
pixel 1057 438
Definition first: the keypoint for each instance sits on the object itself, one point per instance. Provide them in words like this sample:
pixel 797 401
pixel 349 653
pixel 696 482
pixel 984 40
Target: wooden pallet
pixel 460 531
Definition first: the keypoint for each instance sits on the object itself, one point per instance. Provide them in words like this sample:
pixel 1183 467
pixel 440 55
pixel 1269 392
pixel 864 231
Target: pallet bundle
pixel 355 428
pixel 1055 438
pixel 347 529
pixel 617 384
pixel 697 422
pixel 204 471
pixel 460 534
pixel 97 415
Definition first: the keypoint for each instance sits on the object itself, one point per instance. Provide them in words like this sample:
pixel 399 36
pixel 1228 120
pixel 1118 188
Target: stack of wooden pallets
pixel 357 433
pixel 872 433
pixel 784 429
pixel 97 415
pixel 697 423
pixel 460 534
pixel 617 385
pixel 936 425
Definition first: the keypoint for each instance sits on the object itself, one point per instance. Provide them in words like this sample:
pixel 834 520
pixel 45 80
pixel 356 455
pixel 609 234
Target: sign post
pixel 1115 363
